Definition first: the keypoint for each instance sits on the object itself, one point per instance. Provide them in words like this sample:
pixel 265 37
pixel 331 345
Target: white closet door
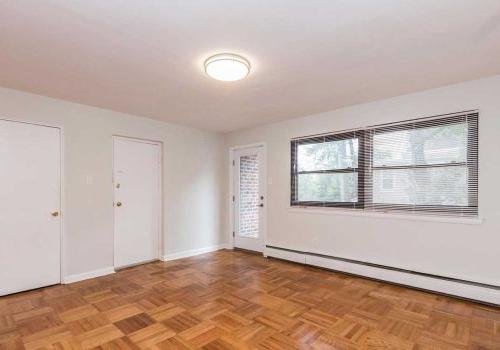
pixel 137 201
pixel 30 224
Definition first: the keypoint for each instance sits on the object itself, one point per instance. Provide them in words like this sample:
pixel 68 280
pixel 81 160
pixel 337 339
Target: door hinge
pixel 233 233
pixel 233 198
pixel 233 162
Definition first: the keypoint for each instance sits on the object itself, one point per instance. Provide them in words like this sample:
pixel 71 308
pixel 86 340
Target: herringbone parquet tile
pixel 237 300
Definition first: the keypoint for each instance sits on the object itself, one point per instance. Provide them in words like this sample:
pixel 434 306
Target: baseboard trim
pixel 194 252
pixel 456 288
pixel 87 275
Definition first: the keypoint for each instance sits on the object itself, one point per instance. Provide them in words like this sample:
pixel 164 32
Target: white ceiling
pixel 145 57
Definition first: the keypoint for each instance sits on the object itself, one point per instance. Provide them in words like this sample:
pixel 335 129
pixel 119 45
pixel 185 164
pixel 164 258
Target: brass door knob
pixel 55 213
pixel 118 204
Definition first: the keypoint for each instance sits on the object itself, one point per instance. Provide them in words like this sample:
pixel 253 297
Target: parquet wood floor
pixel 236 300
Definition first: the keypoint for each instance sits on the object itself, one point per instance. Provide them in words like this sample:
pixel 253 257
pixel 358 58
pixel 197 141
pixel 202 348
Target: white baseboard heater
pixel 474 291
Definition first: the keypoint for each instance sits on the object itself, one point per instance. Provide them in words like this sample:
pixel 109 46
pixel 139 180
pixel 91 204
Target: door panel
pixel 30 183
pixel 249 184
pixel 137 201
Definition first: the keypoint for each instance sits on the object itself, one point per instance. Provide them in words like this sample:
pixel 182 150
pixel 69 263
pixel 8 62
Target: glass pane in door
pixel 249 197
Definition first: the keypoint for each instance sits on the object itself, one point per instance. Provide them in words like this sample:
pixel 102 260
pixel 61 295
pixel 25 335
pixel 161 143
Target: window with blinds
pixel 425 166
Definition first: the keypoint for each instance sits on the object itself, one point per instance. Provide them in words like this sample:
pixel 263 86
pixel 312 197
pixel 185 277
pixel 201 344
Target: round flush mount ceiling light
pixel 227 67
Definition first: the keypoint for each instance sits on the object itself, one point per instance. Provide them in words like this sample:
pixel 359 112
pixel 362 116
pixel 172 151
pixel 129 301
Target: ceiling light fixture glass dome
pixel 227 67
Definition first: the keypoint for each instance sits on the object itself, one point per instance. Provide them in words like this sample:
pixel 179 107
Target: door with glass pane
pixel 248 200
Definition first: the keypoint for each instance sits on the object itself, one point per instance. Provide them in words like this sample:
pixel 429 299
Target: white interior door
pixel 136 182
pixel 30 189
pixel 249 198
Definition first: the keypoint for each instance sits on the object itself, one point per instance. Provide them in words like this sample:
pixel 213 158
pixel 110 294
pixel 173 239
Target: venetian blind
pixel 427 165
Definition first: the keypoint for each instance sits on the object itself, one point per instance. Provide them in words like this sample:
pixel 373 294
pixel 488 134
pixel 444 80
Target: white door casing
pixel 249 183
pixel 137 201
pixel 30 200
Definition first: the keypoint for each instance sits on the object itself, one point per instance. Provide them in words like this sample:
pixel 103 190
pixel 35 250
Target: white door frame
pixel 232 227
pixel 62 203
pixel 159 253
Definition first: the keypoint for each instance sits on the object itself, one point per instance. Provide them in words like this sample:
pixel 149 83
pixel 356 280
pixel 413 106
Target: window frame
pixel 365 167
pixel 323 139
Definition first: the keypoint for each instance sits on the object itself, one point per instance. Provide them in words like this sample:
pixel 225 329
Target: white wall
pixel 196 185
pixel 470 252
pixel 193 181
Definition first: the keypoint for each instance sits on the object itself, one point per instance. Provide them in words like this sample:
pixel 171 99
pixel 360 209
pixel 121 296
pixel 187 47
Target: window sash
pixel 365 168
pixel 294 201
pixel 419 166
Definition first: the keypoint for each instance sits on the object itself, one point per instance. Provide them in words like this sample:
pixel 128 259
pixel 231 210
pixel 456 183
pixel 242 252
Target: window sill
pixel 347 212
